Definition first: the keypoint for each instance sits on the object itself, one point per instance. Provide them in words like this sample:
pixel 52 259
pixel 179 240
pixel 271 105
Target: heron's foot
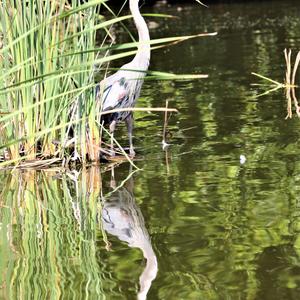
pixel 131 152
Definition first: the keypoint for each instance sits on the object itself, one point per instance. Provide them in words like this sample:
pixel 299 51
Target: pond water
pixel 214 216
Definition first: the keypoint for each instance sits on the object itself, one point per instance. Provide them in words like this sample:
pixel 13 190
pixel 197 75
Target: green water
pixel 197 222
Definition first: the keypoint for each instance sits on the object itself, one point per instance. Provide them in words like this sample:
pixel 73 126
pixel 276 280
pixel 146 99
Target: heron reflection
pixel 122 218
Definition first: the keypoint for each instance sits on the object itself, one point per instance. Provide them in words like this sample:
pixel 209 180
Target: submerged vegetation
pixel 48 61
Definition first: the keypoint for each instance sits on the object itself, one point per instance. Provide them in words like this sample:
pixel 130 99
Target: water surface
pixel 197 222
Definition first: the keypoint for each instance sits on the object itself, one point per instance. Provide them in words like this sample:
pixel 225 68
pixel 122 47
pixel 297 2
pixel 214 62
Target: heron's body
pixel 122 89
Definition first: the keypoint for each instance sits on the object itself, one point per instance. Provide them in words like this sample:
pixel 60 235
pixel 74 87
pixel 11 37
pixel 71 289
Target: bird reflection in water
pixel 122 218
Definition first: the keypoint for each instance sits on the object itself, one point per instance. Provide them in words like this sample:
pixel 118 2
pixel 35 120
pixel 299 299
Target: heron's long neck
pixel 143 53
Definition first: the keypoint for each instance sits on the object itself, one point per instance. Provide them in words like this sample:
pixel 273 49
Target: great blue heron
pixel 122 89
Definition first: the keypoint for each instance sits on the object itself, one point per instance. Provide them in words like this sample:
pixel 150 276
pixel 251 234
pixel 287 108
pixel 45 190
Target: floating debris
pixel 243 159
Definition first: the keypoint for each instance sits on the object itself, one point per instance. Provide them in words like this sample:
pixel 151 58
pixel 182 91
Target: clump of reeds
pixel 46 83
pixel 289 84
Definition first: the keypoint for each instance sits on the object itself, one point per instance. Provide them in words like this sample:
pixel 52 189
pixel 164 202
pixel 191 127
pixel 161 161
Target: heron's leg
pixel 129 124
pixel 112 179
pixel 112 128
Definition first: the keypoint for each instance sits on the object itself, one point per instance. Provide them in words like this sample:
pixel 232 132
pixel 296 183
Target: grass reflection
pixel 53 235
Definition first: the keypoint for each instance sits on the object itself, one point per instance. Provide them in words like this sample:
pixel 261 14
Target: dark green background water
pixel 219 228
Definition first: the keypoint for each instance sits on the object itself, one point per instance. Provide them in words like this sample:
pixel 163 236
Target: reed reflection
pixel 122 218
pixel 50 234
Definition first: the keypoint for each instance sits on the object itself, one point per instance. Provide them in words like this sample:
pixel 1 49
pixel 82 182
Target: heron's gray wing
pixel 114 93
pixel 111 79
